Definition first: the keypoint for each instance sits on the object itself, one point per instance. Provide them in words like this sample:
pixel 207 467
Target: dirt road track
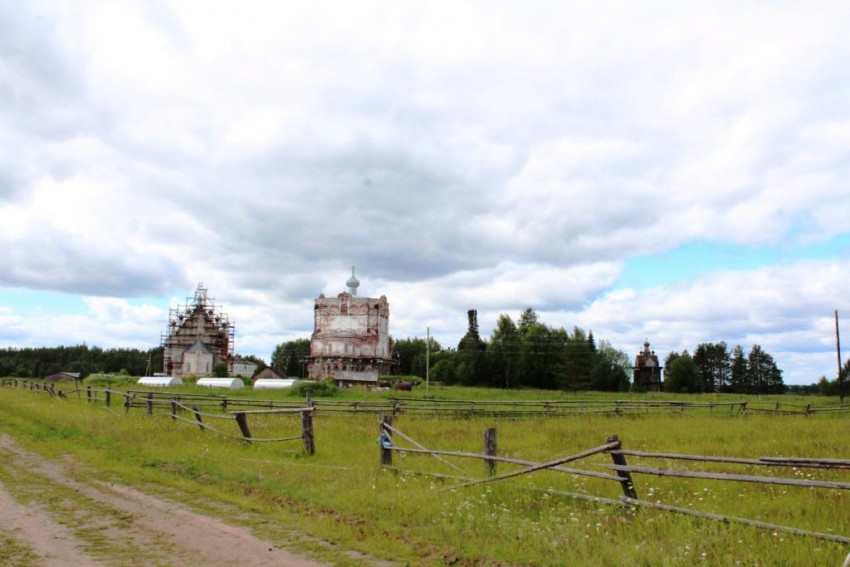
pixel 143 528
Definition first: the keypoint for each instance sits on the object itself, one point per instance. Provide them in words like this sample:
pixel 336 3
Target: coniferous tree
pixel 738 381
pixel 712 360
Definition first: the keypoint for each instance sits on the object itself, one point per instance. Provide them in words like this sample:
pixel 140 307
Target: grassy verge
pixel 342 496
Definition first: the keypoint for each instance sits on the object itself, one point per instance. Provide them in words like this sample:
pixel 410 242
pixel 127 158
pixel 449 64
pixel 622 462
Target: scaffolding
pixel 198 320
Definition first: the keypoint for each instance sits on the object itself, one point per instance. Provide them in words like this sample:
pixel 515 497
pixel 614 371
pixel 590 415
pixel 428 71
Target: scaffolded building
pixel 198 337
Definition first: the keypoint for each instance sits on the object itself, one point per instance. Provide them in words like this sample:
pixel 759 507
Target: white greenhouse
pixel 229 383
pixel 159 381
pixel 273 383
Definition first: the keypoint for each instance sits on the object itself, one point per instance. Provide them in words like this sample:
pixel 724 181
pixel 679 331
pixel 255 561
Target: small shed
pixel 159 381
pixel 268 372
pixel 229 383
pixel 273 383
pixel 63 377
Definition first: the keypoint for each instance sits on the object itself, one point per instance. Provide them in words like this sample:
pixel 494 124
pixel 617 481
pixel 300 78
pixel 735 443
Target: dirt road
pixel 52 515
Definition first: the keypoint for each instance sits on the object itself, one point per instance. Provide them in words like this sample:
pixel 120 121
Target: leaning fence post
pixel 386 440
pixel 619 459
pixel 490 449
pixel 307 432
pixel 198 417
pixel 242 420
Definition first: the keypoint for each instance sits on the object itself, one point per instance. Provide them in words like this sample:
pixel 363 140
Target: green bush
pixel 104 380
pixel 325 387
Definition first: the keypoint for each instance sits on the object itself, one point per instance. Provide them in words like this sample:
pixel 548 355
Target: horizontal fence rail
pixel 625 474
pixel 449 407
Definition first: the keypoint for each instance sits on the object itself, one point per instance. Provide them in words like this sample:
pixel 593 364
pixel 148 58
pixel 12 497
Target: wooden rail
pixel 452 407
pixel 625 474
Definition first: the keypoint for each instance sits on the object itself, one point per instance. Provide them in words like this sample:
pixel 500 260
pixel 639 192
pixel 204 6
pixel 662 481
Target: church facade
pixel 647 371
pixel 350 339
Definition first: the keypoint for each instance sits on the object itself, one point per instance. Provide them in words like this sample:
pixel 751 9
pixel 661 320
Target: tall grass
pixel 342 495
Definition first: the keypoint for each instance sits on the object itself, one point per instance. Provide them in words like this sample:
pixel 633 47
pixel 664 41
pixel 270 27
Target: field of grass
pixel 342 495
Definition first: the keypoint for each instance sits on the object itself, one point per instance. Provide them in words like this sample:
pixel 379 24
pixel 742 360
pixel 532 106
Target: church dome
pixel 353 283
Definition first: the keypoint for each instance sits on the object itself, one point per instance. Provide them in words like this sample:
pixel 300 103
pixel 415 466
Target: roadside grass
pixel 341 495
pixel 13 552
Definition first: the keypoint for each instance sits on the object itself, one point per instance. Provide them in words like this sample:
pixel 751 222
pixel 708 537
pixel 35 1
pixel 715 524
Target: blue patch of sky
pixel 48 302
pixel 699 259
pixel 25 301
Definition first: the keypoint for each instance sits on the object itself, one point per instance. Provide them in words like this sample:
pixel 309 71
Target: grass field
pixel 342 495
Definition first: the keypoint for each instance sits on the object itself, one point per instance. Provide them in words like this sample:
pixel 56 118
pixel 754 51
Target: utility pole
pixel 838 352
pixel 427 361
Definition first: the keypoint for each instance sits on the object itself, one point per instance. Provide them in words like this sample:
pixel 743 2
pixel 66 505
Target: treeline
pixel 713 368
pixel 522 353
pixel 834 387
pixel 44 361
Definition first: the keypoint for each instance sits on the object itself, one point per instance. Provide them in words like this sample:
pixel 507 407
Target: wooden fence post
pixel 386 440
pixel 626 482
pixel 108 396
pixel 173 409
pixel 307 432
pixel 490 449
pixel 127 402
pixel 150 403
pixel 242 420
pixel 88 394
pixel 198 417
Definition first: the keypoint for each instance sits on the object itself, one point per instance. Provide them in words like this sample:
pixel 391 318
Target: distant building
pixel 269 373
pixel 647 371
pixel 242 367
pixel 350 340
pixel 198 337
pixel 62 377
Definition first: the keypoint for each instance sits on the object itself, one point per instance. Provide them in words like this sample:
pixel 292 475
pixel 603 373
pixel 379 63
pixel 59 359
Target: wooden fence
pixel 623 473
pixel 462 408
pixel 465 408
pixel 175 405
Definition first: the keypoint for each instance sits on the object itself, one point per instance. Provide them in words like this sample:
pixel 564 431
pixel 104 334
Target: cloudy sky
pixel 669 171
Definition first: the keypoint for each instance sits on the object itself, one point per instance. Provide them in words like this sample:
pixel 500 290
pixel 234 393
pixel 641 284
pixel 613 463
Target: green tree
pixel 762 372
pixel 682 374
pixel 827 387
pixel 503 349
pixel 579 361
pixel 713 363
pixel 611 368
pixel 444 369
pixel 739 379
pixel 471 368
pixel 543 351
pixel 290 357
pixel 220 370
pixel 412 354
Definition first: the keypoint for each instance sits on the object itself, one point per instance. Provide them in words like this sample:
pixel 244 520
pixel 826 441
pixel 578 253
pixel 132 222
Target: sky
pixel 663 171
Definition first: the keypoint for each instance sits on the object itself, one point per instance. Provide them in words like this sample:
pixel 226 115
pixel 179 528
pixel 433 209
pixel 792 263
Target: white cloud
pixel 466 155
